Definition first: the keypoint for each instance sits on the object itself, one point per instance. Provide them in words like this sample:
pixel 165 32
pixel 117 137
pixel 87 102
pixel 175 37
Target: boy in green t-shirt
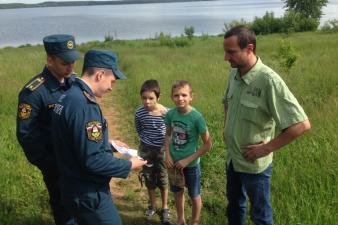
pixel 184 125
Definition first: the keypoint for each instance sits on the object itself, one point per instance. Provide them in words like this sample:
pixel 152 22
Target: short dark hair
pixel 180 84
pixel 245 36
pixel 90 71
pixel 152 86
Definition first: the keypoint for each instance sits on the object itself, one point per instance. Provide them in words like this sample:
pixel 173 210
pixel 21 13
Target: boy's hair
pixel 180 84
pixel 152 86
pixel 244 34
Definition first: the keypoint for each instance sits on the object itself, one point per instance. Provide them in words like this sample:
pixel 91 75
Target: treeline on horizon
pixel 87 3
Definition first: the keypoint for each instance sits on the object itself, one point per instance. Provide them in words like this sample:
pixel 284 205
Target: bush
pixel 166 40
pixel 286 54
pixel 330 26
pixel 234 23
pixel 189 31
pixel 268 24
pixel 296 22
pixel 108 37
pixel 181 42
pixel 205 37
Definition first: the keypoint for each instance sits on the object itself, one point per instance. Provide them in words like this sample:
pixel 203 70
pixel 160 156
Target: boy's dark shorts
pixel 156 175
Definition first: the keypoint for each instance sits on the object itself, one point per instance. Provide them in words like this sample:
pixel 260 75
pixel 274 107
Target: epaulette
pixel 35 83
pixel 89 97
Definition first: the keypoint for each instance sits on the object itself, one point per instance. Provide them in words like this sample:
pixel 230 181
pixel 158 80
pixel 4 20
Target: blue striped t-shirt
pixel 150 128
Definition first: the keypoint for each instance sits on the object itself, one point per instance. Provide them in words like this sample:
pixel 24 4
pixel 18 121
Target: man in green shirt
pixel 256 101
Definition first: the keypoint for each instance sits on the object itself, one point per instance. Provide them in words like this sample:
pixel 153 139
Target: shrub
pixel 108 37
pixel 181 42
pixel 330 26
pixel 162 39
pixel 189 31
pixel 286 54
pixel 268 24
pixel 296 22
pixel 205 37
pixel 233 23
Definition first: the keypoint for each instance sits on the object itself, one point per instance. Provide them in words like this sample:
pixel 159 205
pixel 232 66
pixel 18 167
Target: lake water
pixel 136 21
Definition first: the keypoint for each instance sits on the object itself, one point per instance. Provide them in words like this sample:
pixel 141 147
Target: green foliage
pixel 108 37
pixel 286 54
pixel 330 26
pixel 205 36
pixel 234 23
pixel 189 31
pixel 308 8
pixel 296 22
pixel 268 24
pixel 162 39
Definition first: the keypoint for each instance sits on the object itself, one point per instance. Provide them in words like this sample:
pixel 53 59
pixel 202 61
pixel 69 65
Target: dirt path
pixel 129 197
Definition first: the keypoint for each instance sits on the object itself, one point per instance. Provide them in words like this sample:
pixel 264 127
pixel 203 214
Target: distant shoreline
pixel 88 3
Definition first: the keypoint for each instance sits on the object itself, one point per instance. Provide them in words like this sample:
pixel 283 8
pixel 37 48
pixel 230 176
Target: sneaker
pixel 150 211
pixel 165 216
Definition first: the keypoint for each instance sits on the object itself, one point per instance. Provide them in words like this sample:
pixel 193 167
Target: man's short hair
pixel 89 70
pixel 245 36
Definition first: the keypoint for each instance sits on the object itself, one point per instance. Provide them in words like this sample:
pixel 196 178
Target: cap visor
pixel 119 74
pixel 69 56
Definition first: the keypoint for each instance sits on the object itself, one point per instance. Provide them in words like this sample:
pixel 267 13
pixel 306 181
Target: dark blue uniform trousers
pixel 94 206
pixel 51 179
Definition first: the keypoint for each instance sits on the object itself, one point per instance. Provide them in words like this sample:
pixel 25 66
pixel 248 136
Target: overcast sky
pixel 36 1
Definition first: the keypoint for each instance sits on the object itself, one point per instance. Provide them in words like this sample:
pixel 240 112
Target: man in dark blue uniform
pixel 82 148
pixel 36 102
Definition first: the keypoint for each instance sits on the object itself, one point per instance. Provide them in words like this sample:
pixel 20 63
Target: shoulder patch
pixel 35 83
pixel 94 131
pixel 89 97
pixel 24 111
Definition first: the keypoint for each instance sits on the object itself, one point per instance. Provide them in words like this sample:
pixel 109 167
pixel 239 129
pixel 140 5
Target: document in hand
pixel 123 150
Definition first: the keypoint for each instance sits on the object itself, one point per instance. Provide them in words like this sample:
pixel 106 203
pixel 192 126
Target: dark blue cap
pixel 103 59
pixel 62 46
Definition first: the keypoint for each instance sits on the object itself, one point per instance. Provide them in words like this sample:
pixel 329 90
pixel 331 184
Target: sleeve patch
pixel 94 131
pixel 24 111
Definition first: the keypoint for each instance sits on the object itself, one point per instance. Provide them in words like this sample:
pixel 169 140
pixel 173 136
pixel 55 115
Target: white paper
pixel 124 151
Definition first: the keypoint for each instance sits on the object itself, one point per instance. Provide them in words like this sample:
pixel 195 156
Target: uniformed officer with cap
pixel 36 102
pixel 83 151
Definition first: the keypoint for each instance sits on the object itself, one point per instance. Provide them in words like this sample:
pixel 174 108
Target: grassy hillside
pixel 304 181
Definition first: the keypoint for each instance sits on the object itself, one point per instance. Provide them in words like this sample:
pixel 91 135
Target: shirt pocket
pixel 249 111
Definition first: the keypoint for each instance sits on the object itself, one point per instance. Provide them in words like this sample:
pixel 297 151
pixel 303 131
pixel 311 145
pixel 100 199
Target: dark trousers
pixel 93 206
pixel 257 188
pixel 51 179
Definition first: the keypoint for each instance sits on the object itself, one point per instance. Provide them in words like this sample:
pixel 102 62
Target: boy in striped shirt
pixel 149 123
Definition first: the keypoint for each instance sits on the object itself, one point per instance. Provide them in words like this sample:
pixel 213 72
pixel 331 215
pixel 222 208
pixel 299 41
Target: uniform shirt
pixel 80 137
pixel 186 129
pixel 150 128
pixel 256 103
pixel 35 106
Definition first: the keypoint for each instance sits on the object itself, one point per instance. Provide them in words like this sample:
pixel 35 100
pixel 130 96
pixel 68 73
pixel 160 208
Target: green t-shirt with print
pixel 186 129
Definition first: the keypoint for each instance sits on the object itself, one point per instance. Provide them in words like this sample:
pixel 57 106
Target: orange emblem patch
pixel 24 111
pixel 94 131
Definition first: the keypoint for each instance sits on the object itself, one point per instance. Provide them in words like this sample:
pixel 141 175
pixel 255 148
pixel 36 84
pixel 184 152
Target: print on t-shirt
pixel 180 134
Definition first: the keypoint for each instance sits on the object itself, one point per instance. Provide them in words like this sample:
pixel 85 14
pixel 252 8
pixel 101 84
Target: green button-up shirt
pixel 256 103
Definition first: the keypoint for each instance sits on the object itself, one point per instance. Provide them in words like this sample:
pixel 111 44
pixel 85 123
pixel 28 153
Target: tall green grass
pixel 304 181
